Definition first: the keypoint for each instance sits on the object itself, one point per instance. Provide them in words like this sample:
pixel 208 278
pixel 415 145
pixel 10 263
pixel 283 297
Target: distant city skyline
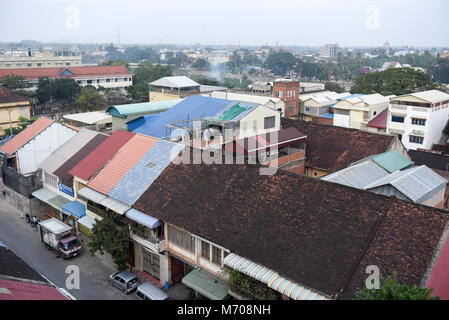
pixel 356 23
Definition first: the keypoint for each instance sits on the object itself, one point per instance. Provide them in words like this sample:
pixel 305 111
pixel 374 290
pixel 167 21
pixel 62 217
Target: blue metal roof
pixel 327 115
pixel 193 107
pixel 142 175
pixel 134 124
pixel 74 208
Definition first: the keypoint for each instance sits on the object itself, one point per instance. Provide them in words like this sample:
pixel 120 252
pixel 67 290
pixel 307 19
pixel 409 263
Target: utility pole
pixel 10 125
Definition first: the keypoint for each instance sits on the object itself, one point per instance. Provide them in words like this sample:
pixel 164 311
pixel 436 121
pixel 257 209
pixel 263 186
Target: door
pixel 151 263
pixel 119 282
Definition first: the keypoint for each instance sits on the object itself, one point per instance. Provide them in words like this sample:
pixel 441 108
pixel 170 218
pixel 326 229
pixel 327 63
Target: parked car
pixel 148 291
pixel 124 280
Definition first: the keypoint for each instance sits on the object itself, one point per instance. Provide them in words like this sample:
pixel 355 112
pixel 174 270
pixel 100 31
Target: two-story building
pixel 13 106
pixel 419 118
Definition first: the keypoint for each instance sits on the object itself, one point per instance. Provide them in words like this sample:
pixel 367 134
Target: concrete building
pixel 319 106
pixel 12 107
pixel 288 91
pixel 39 58
pixel 419 118
pixel 329 50
pixel 357 110
pixel 114 77
pixel 27 150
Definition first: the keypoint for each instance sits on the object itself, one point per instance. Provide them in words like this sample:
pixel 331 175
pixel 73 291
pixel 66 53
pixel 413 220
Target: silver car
pixel 124 280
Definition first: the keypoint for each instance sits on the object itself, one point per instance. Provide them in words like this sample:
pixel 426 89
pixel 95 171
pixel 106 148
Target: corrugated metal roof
pixel 392 161
pixel 26 135
pixel 145 107
pixel 123 161
pixel 91 195
pixel 67 150
pixel 51 198
pixel 143 218
pixel 357 176
pixel 63 171
pixel 175 82
pixel 115 205
pixel 146 170
pixel 415 182
pixel 74 208
pixel 89 117
pixel 98 157
pixel 193 107
pixel 431 96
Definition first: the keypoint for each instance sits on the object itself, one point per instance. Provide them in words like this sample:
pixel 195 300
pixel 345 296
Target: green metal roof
pixel 392 161
pixel 124 110
pixel 206 284
pixel 51 198
pixel 232 112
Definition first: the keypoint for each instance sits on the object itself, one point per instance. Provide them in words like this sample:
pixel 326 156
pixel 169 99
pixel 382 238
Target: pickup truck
pixel 57 236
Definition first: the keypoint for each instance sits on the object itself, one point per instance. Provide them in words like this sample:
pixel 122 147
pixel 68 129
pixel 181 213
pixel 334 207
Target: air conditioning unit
pixel 420 132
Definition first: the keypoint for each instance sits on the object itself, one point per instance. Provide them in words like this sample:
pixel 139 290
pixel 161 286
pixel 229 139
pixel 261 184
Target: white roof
pixel 432 96
pixel 89 117
pixel 369 99
pixel 175 82
pixel 55 226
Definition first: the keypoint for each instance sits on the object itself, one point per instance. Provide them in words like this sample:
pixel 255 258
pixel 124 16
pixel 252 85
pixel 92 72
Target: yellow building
pixel 12 107
pixel 32 58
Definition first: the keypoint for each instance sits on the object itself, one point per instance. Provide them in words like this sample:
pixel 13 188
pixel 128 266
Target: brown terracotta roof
pixel 8 96
pixel 301 227
pixel 55 72
pixel 332 148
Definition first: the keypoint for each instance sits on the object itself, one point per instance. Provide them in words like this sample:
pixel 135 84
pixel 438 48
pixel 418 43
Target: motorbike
pixel 32 220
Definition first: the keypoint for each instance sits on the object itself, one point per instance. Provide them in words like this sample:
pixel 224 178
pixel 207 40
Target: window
pixel 29 65
pixel 397 119
pixel 89 81
pixel 244 126
pixel 269 122
pixel 51 180
pixel 108 80
pixel 416 139
pixel 216 255
pixel 181 238
pixel 307 109
pixel 419 122
pixel 39 64
pixel 205 250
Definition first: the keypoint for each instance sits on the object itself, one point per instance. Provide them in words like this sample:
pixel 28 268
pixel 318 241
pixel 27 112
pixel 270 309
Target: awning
pixel 87 221
pixel 91 195
pixel 206 284
pixel 271 278
pixel 143 218
pixel 115 205
pixel 74 208
pixel 51 198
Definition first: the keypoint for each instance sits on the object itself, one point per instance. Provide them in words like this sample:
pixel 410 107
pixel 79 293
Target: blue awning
pixel 74 208
pixel 143 218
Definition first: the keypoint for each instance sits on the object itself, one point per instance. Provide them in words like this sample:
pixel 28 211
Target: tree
pixel 13 82
pixel 119 62
pixel 396 81
pixel 280 62
pixel 111 238
pixel 139 91
pixel 63 90
pixel 201 64
pixel 147 72
pixel 334 86
pixel 207 81
pixel 390 289
pixel 90 99
pixel 24 122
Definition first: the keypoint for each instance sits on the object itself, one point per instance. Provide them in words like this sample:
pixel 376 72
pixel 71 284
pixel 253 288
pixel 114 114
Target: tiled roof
pixel 8 96
pixel 26 135
pixel 298 226
pixel 430 159
pixel 55 72
pixel 439 279
pixel 332 148
pixel 123 161
pixel 103 153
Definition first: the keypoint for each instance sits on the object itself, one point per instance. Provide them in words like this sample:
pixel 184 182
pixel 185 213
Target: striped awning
pixel 271 278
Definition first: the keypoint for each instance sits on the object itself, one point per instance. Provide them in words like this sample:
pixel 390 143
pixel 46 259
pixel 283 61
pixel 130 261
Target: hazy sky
pixel 250 22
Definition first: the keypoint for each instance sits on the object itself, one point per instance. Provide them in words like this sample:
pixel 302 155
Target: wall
pixel 18 109
pixel 315 173
pixel 19 201
pixel 259 114
pixel 160 96
pixel 31 155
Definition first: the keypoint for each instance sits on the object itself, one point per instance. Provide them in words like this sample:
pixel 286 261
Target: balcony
pixel 154 244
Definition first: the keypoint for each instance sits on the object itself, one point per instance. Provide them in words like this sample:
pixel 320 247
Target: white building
pixel 419 118
pixel 357 110
pixel 329 50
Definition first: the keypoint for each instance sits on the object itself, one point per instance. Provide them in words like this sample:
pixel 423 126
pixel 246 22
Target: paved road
pixel 23 240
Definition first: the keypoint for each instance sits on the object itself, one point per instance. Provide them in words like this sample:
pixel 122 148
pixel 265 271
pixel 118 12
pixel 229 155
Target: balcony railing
pixel 155 244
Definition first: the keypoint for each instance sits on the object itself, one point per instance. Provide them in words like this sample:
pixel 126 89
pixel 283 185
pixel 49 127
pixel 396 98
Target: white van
pixel 148 291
